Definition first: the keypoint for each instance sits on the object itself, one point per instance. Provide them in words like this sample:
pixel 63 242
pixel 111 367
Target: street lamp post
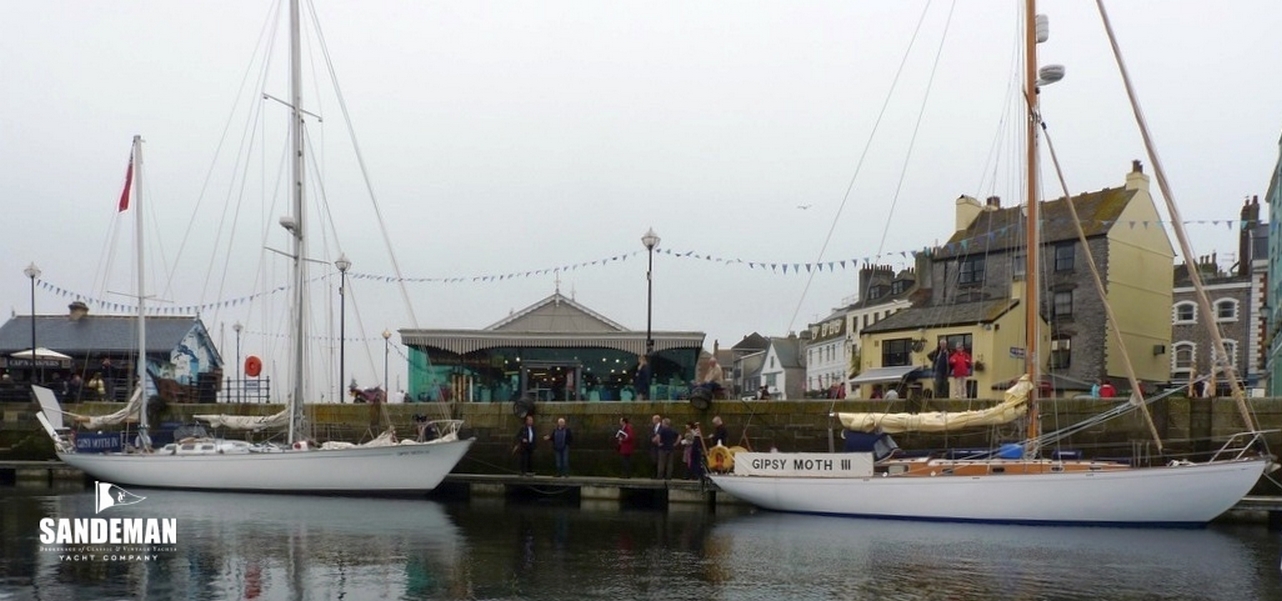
pixel 240 377
pixel 650 240
pixel 387 338
pixel 343 265
pixel 33 272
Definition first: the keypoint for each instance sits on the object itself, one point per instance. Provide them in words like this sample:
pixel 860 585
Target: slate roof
pixel 912 318
pixel 1003 228
pixel 557 313
pixel 788 350
pixel 751 343
pixel 95 333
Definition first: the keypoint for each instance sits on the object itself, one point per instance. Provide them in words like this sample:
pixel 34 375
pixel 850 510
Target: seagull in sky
pixel 804 207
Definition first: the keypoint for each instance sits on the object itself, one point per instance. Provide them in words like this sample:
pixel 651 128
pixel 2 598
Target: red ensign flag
pixel 129 180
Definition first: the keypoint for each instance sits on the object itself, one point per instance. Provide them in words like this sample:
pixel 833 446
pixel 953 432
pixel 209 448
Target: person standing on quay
pixel 655 422
pixel 641 382
pixel 525 446
pixel 939 366
pixel 667 443
pixel 561 439
pixel 627 444
pixel 719 434
pixel 959 360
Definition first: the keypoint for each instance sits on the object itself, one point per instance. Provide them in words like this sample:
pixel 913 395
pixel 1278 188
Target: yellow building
pixel 969 291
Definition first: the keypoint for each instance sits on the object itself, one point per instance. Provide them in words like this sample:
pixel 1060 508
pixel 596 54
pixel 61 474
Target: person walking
pixel 525 446
pixel 960 363
pixel 667 438
pixel 561 439
pixel 627 445
pixel 641 382
pixel 939 366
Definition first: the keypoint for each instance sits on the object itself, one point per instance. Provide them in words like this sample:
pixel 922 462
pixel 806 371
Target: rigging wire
pixel 885 105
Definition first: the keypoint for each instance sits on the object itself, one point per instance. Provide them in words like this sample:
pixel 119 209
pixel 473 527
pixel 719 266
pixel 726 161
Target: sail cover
pixel 247 422
pixel 129 413
pixel 1013 406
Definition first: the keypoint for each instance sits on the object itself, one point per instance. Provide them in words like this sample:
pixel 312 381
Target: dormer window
pixel 971 271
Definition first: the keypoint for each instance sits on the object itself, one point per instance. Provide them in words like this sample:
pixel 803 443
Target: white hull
pixel 398 469
pixel 1176 495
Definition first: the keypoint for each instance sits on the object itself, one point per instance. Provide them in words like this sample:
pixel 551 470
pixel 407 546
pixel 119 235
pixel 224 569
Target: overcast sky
pixel 511 137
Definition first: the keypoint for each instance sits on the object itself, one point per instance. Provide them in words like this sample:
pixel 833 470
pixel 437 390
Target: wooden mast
pixel 1031 256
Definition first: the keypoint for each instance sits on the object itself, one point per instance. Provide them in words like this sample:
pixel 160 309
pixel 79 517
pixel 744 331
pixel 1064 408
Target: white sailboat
pixel 381 466
pixel 1016 487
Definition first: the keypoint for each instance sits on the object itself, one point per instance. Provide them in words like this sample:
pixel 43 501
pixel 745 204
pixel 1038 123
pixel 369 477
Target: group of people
pixel 955 364
pixel 709 383
pixel 664 443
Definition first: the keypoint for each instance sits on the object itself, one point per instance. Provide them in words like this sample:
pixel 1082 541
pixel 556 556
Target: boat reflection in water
pixel 253 546
pixel 922 560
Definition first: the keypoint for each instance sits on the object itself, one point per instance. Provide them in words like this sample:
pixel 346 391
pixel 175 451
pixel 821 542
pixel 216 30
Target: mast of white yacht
pixel 140 365
pixel 297 228
pixel 1032 306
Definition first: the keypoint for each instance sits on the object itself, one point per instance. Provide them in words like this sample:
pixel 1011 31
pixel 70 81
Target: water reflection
pixel 850 558
pixel 301 548
pixel 247 547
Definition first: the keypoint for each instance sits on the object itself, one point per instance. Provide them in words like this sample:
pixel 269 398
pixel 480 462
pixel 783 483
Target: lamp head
pixel 236 327
pixel 31 271
pixel 650 239
pixel 343 264
pixel 387 335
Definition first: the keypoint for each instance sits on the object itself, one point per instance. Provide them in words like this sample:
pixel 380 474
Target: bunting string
pixel 980 242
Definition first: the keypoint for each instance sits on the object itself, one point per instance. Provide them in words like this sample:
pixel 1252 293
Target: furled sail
pixel 1014 405
pixel 128 413
pixel 247 422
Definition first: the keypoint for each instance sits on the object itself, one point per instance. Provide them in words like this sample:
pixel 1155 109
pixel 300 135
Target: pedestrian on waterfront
pixel 959 361
pixel 667 444
pixel 692 440
pixel 641 381
pixel 656 422
pixel 561 439
pixel 1106 391
pixel 525 446
pixel 939 366
pixel 719 434
pixel 97 389
pixel 627 445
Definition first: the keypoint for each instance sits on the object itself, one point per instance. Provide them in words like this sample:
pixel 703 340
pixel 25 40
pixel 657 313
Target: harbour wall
pixel 1185 425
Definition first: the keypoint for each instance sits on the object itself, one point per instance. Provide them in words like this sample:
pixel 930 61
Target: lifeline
pixel 116 531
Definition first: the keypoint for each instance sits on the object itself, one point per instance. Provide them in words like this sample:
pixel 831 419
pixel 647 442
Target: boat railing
pixel 1241 444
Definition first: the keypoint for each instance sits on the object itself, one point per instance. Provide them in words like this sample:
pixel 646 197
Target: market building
pixel 553 350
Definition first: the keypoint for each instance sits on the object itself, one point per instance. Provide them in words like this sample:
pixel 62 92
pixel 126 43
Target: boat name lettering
pixel 812 464
pixel 770 464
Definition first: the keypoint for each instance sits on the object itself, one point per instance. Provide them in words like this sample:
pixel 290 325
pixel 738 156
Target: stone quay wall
pixel 1184 424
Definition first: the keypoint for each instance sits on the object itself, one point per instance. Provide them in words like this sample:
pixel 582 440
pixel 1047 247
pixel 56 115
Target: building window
pixel 896 352
pixel 899 287
pixel 1018 266
pixel 1230 347
pixel 1064 257
pixel 1226 310
pixel 770 380
pixel 1061 352
pixel 972 270
pixel 955 339
pixel 1184 312
pixel 1183 355
pixel 1063 304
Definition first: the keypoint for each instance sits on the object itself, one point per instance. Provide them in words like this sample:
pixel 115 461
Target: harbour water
pixel 233 546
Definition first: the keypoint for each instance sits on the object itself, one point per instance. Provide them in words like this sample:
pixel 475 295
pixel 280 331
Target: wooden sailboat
pixel 1018 486
pixel 380 467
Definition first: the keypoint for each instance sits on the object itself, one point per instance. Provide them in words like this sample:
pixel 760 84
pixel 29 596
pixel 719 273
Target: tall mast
pixel 1032 305
pixel 141 363
pixel 296 138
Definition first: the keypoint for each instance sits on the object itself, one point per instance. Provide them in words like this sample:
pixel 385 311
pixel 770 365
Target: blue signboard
pixel 107 442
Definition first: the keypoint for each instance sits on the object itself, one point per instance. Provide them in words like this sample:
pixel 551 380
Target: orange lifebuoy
pixel 253 366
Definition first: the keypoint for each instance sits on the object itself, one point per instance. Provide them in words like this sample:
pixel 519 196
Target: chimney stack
pixel 993 203
pixel 76 310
